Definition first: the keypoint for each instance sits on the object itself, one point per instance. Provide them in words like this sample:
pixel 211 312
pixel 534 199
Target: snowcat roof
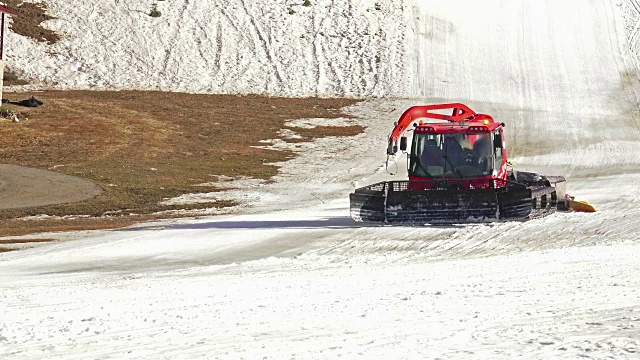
pixel 457 128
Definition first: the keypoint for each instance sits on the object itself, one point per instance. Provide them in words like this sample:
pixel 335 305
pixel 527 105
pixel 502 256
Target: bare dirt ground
pixel 141 148
pixel 22 187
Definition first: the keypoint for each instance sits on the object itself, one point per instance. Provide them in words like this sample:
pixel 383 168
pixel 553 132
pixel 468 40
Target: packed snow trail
pixel 310 283
pixel 552 304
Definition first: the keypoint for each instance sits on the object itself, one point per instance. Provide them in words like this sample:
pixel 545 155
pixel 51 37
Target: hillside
pixel 355 48
pixel 291 275
pixel 267 47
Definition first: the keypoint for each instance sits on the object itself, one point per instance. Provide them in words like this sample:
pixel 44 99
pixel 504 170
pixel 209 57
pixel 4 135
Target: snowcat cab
pixel 472 153
pixel 458 173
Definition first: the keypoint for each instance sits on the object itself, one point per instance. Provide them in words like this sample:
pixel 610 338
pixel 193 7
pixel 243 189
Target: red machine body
pixel 452 121
pixel 457 174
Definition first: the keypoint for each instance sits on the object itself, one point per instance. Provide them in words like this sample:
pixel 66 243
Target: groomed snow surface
pixel 291 275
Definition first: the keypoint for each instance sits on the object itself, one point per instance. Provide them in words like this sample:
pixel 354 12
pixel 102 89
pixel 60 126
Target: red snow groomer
pixel 458 173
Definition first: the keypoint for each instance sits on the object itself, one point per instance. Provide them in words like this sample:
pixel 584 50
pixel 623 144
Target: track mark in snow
pixel 218 56
pixel 171 68
pixel 199 35
pixel 265 46
pixel 317 55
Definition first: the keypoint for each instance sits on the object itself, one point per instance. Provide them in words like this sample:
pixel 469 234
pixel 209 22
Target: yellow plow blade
pixel 581 206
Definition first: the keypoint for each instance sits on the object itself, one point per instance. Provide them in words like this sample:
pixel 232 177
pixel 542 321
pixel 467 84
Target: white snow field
pixel 343 48
pixel 291 275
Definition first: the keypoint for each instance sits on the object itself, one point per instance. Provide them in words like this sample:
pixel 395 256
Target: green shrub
pixel 154 11
pixel 6 113
pixel 11 78
pixel 9 114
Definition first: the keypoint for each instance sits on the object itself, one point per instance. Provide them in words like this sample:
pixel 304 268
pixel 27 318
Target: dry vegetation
pixel 143 147
pixel 24 241
pixel 10 244
pixel 30 19
pixel 10 78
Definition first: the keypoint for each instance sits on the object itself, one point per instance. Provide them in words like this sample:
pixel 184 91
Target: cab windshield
pixel 451 155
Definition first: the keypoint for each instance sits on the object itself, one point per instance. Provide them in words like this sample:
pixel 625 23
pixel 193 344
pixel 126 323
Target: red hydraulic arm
pixel 459 112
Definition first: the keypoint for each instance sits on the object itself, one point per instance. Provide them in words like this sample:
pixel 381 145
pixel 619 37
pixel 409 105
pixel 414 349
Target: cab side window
pixel 497 146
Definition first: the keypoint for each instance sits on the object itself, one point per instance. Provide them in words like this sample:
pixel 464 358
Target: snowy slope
pixel 631 10
pixel 344 48
pixel 308 282
pixel 331 48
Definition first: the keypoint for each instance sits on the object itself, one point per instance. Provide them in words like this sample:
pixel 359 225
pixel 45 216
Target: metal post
pixel 2 38
pixel 1 54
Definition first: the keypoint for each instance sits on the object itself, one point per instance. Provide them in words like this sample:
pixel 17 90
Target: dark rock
pixel 31 102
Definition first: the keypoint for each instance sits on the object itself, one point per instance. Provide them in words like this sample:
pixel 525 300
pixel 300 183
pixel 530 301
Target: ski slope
pixel 291 276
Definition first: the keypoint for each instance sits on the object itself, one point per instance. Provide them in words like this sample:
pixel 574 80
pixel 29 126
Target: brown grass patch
pixel 20 241
pixel 18 227
pixel 25 241
pixel 29 21
pixel 143 147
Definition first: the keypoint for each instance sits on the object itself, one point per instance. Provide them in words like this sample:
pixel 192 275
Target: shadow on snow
pixel 342 222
